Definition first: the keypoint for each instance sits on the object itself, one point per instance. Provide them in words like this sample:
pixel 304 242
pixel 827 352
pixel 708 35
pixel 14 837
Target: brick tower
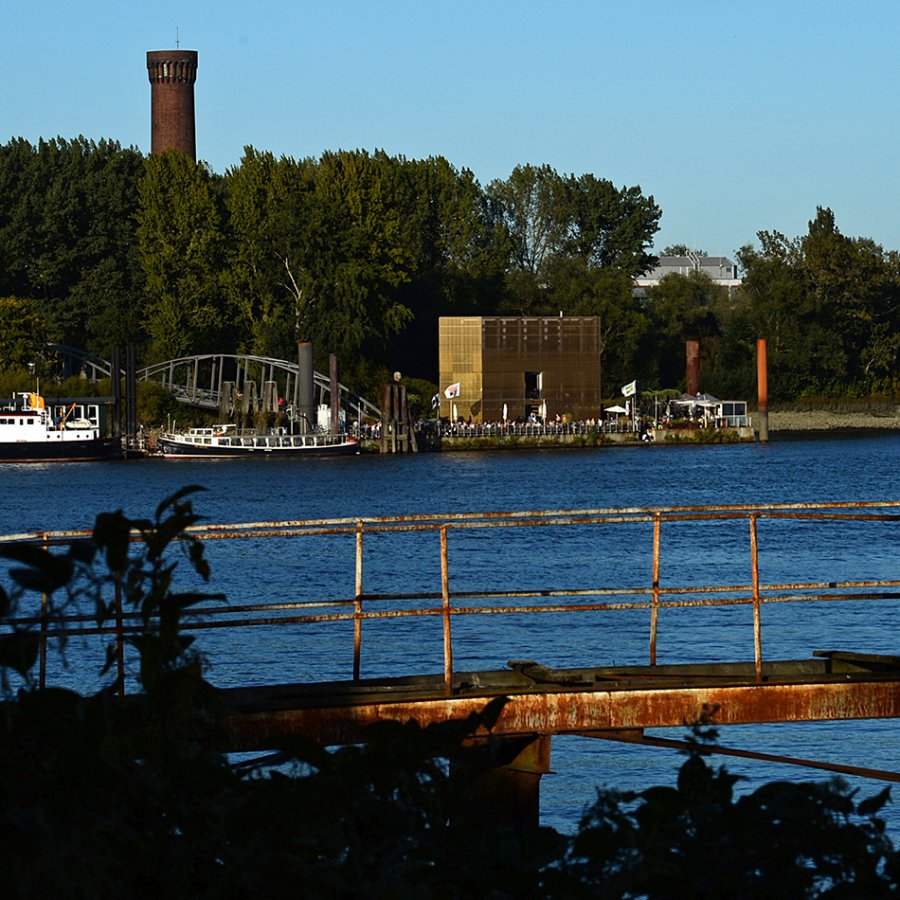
pixel 172 76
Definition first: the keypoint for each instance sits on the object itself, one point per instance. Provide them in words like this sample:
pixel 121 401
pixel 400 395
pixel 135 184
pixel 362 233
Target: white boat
pixel 30 431
pixel 225 441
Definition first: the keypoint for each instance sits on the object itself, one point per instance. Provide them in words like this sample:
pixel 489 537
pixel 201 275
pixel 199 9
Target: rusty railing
pixel 358 606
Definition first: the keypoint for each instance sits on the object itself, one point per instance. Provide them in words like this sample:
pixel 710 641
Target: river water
pixel 834 468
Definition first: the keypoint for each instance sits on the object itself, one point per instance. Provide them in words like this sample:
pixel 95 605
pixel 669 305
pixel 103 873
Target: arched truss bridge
pixel 199 381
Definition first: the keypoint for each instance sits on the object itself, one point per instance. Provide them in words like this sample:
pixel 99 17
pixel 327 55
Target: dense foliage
pixel 105 796
pixel 362 252
pixel 67 237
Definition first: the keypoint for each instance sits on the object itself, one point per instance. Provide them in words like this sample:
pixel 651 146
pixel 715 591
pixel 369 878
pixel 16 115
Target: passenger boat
pixel 225 441
pixel 32 432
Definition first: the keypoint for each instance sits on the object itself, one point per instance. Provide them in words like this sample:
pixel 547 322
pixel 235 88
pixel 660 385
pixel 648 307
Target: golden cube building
pixel 542 366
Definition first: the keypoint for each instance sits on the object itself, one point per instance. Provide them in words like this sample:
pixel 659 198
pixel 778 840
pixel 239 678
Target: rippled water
pixel 837 468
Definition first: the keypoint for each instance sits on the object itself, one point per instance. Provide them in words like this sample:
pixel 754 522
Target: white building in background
pixel 720 269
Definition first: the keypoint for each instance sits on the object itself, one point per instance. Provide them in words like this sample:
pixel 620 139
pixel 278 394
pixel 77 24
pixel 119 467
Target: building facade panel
pixel 532 366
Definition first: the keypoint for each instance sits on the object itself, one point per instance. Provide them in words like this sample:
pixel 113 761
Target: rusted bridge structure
pixel 677 682
pixel 203 381
pixel 199 380
pixel 230 384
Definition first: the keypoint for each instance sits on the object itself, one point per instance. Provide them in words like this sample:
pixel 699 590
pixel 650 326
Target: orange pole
pixel 762 381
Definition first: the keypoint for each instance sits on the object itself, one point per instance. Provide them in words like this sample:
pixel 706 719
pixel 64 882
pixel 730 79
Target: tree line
pixel 361 253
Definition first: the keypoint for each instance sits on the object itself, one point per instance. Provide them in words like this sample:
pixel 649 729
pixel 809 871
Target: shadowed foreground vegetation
pixel 109 798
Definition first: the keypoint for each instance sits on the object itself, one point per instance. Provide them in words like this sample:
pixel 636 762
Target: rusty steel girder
pixel 255 722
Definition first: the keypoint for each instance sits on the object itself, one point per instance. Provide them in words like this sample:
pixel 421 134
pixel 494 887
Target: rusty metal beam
pixel 637 737
pixel 260 718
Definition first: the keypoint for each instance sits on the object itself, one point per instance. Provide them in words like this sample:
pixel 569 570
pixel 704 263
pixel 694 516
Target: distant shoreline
pixel 826 420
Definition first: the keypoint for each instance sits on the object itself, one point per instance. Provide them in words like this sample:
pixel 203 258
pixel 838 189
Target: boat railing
pixel 639 585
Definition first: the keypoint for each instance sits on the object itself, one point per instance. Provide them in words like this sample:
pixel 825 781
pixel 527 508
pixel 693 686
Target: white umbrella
pixel 616 409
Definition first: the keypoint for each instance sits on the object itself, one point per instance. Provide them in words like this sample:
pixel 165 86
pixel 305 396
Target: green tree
pixel 533 206
pixel 320 252
pixel 460 256
pixel 610 227
pixel 608 293
pixel 67 237
pixel 23 334
pixel 182 252
pixel 550 218
pixel 774 304
pixel 827 306
pixel 682 308
pixel 855 289
pixel 363 258
pixel 276 228
pixel 682 250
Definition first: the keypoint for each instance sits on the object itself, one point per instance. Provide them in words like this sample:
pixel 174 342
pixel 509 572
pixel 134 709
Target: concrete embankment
pixel 830 420
pixel 782 421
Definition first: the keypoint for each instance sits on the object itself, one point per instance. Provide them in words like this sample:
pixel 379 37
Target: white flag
pixel 452 391
pixel 629 389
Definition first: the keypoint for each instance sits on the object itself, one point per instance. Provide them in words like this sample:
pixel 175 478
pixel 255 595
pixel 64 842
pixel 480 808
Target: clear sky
pixel 735 117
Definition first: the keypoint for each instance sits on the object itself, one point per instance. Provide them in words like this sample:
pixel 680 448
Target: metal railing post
pixel 120 641
pixel 757 626
pixel 357 607
pixel 445 606
pixel 654 613
pixel 45 605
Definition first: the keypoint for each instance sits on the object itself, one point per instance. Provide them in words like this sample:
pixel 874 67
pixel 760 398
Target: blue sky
pixel 736 117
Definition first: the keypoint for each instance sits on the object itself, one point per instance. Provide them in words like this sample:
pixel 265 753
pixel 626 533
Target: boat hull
pixel 232 448
pixel 78 450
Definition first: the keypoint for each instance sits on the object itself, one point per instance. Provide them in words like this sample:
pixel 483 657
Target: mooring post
pixel 131 416
pixel 692 353
pixel 385 416
pixel 403 419
pixel 115 384
pixel 762 380
pixel 394 418
pixel 334 393
pixel 305 387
